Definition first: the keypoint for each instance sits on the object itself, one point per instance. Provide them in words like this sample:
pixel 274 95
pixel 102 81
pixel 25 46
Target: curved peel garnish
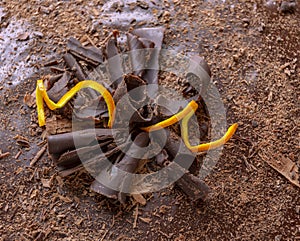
pixel 41 95
pixel 185 116
pixel 192 106
pixel 205 146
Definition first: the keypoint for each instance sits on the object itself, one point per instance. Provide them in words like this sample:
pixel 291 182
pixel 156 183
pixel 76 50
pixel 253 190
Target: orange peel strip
pixel 191 107
pixel 205 146
pixel 41 94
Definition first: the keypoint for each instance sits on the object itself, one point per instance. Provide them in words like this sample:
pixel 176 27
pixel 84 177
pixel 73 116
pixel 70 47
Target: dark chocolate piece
pixel 91 55
pixel 114 63
pixel 59 88
pixel 74 66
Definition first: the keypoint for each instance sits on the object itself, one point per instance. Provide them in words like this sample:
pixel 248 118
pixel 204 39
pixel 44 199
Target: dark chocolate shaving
pixel 114 63
pixel 154 35
pixel 198 73
pixel 74 66
pixel 137 57
pixel 59 88
pixel 91 55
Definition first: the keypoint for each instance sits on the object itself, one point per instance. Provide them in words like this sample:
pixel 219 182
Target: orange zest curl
pixel 41 96
pixel 205 146
pixel 185 116
pixel 192 106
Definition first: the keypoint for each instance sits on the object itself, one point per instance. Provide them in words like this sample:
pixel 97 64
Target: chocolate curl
pixel 73 158
pixel 114 63
pixel 97 160
pixel 91 55
pixel 129 164
pixel 58 144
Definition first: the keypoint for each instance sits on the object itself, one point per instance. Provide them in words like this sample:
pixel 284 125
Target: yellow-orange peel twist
pixel 41 95
pixel 185 116
pixel 191 107
pixel 205 146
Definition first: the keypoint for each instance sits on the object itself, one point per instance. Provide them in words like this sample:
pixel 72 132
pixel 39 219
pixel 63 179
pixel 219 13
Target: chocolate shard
pixel 74 66
pixel 191 185
pixel 198 74
pixel 156 36
pixel 91 55
pixel 94 109
pixel 59 88
pixel 52 79
pixel 114 63
pixel 137 58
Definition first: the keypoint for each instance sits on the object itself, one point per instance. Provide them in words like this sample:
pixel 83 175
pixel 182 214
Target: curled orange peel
pixel 185 116
pixel 41 95
pixel 205 146
pixel 191 107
